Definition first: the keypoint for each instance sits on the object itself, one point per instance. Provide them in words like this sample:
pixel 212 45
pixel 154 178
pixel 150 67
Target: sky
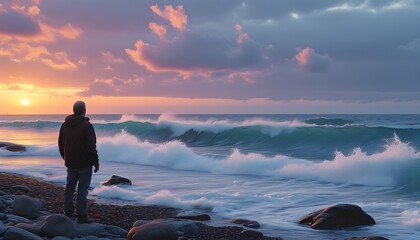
pixel 210 56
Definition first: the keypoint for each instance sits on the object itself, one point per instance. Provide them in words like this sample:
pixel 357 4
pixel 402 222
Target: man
pixel 77 145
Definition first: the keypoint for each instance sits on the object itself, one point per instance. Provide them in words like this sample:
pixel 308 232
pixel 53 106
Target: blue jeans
pixel 83 176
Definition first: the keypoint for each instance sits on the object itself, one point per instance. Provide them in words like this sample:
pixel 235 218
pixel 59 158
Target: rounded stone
pixel 15 233
pixel 26 206
pixel 58 225
pixel 153 231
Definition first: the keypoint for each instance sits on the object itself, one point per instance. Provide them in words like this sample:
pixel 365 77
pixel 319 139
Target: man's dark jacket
pixel 77 142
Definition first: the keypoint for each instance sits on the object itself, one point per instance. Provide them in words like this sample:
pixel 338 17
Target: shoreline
pixel 118 215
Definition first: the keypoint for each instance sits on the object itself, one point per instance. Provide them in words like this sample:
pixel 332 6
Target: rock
pixel 368 238
pixel 89 238
pixel 338 216
pixel 3 229
pixel 17 219
pixel 200 217
pixel 186 227
pixel 27 207
pixel 33 228
pixel 15 233
pixel 252 234
pixel 116 180
pixel 12 147
pixel 89 229
pixel 20 189
pixel 3 206
pixel 61 238
pixel 116 231
pixel 153 231
pixel 245 222
pixel 58 225
pixel 138 223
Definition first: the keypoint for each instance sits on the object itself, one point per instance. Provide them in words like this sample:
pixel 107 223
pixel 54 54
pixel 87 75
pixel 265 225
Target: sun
pixel 25 102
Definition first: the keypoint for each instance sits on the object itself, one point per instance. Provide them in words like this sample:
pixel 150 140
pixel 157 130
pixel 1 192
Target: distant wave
pixel 315 138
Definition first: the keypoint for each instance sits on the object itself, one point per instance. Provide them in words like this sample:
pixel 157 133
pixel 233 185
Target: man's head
pixel 79 108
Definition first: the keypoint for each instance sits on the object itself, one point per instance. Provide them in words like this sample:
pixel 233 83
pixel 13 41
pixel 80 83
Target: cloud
pixel 242 37
pixel 192 52
pixel 24 51
pixel 17 23
pixel 112 86
pixel 108 56
pixel 60 61
pixel 160 30
pixel 176 16
pixel 311 61
pixel 195 52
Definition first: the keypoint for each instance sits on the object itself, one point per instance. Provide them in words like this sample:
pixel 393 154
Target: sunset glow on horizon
pixel 202 57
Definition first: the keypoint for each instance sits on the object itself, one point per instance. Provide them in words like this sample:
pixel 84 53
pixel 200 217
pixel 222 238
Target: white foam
pixel 167 198
pixel 397 165
pixel 411 218
pixel 161 198
pixel 387 168
pixel 116 193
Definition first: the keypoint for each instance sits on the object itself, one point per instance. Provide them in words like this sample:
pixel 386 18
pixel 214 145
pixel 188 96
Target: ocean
pixel 270 168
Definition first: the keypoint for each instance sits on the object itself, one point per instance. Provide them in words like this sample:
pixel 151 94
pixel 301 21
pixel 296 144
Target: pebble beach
pixel 114 215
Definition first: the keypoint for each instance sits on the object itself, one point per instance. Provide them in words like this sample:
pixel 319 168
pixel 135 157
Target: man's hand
pixel 96 169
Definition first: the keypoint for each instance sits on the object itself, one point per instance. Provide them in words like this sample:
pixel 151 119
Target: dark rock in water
pixel 153 231
pixel 199 217
pixel 12 147
pixel 252 234
pixel 115 180
pixel 245 222
pixel 20 189
pixel 338 216
pixel 368 238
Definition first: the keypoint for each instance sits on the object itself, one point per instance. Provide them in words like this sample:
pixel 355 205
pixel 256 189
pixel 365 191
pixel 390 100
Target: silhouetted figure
pixel 77 145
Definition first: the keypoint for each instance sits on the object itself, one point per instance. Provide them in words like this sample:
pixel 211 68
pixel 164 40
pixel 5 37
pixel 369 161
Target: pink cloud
pixel 60 61
pixel 303 55
pixel 107 55
pixel 311 61
pixel 34 10
pixel 176 16
pixel 159 29
pixel 242 37
pixel 191 53
pixel 139 56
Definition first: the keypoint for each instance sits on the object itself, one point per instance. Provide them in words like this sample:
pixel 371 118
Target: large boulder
pixel 338 216
pixel 15 233
pixel 58 225
pixel 27 207
pixel 116 180
pixel 153 231
pixel 12 147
